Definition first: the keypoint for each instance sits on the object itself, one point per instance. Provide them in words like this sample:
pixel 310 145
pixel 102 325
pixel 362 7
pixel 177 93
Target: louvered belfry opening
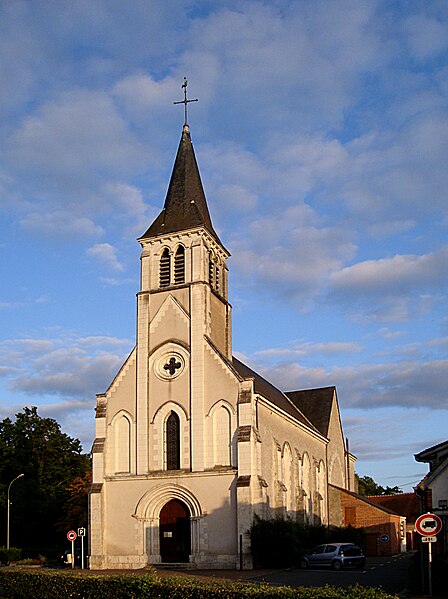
pixel 173 442
pixel 165 269
pixel 211 271
pixel 179 266
pixel 217 279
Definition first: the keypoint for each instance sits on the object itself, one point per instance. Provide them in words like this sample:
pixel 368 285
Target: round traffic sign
pixel 71 535
pixel 428 525
pixel 384 538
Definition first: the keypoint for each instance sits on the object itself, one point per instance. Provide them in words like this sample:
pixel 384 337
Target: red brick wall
pixel 375 522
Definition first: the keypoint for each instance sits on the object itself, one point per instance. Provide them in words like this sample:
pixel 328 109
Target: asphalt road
pixel 390 573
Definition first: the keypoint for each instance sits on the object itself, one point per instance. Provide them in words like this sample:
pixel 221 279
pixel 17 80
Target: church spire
pixel 185 204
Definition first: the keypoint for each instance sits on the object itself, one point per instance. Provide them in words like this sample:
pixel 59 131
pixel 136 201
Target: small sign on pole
pixel 71 536
pixel 428 525
pixel 82 534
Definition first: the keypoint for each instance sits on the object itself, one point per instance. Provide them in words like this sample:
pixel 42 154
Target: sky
pixel 321 134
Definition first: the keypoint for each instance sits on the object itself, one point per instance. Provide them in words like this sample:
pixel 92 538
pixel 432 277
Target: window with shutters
pixel 172 438
pixel 217 278
pixel 165 269
pixel 211 271
pixel 179 266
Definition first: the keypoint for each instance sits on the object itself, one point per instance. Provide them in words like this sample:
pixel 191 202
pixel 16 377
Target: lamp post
pixel 8 506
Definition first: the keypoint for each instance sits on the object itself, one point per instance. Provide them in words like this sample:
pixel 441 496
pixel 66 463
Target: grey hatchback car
pixel 334 555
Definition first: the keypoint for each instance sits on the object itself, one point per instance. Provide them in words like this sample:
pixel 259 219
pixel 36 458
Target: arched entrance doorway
pixel 174 527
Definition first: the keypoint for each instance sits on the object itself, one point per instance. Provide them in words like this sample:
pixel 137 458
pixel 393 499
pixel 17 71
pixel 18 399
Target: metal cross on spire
pixel 185 101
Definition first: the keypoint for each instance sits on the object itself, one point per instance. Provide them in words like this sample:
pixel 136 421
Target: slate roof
pixel 267 390
pixel 405 504
pixel 185 203
pixel 316 404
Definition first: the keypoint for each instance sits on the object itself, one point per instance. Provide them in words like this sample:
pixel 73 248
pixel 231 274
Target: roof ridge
pixel 259 380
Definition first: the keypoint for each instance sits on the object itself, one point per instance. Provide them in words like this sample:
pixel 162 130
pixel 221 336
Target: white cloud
pixel 70 366
pixel 60 224
pixel 10 305
pixel 141 95
pixel 310 348
pixel 326 49
pixel 427 36
pixel 389 333
pixel 396 276
pixel 106 255
pixel 403 383
pixel 69 145
pixel 292 253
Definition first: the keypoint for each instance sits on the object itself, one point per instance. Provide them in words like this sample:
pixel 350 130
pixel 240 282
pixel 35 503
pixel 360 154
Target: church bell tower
pixel 183 300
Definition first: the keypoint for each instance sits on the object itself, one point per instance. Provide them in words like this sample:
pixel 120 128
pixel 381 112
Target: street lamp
pixel 8 506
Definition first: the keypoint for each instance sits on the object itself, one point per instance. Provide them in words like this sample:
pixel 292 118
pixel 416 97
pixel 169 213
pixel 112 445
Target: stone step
pixel 175 566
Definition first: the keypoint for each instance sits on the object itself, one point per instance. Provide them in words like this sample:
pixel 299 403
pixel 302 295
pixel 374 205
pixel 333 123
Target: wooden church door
pixel 174 528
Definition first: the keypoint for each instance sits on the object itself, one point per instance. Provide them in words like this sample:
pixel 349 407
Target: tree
pixel 367 486
pixel 51 462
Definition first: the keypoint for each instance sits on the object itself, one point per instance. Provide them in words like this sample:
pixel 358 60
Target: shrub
pixel 22 584
pixel 280 543
pixel 274 543
pixel 12 554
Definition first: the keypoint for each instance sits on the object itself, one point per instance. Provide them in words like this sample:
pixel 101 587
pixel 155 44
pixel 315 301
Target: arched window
pixel 287 478
pixel 179 266
pixel 165 268
pixel 172 437
pixel 221 436
pixel 307 485
pixel 122 449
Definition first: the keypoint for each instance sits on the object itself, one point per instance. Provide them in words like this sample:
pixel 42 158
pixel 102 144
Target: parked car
pixel 66 558
pixel 334 555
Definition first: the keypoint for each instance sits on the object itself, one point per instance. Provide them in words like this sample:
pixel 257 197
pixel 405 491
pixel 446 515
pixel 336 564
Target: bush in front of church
pixel 22 584
pixel 278 543
pixel 275 543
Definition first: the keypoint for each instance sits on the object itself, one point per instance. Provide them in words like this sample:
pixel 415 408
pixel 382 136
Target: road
pixel 390 573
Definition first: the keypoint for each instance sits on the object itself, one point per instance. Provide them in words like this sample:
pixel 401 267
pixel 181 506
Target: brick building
pixel 407 505
pixel 384 529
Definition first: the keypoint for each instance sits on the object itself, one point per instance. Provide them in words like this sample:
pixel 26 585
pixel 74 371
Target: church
pixel 191 443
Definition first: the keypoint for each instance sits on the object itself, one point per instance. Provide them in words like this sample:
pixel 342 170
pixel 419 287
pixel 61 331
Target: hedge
pixel 22 584
pixel 12 554
pixel 279 543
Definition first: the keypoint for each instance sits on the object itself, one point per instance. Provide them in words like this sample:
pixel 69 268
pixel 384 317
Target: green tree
pixel 50 461
pixel 367 486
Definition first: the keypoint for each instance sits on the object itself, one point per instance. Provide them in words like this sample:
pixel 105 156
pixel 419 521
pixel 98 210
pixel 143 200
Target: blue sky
pixel 321 134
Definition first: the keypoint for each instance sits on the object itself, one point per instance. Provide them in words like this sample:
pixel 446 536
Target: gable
pixel 170 321
pixel 270 392
pixel 316 404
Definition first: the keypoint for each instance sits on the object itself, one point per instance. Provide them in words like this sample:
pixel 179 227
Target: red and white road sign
pixel 428 525
pixel 71 535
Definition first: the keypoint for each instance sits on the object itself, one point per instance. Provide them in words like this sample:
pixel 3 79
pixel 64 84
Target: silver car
pixel 334 555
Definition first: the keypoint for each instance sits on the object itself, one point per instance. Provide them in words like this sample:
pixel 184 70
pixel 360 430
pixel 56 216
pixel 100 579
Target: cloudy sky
pixel 321 133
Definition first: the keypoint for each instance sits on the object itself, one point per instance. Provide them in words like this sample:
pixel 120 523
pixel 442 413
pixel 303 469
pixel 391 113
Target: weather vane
pixel 185 101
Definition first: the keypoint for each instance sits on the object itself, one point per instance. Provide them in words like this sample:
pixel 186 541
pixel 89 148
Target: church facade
pixel 190 442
